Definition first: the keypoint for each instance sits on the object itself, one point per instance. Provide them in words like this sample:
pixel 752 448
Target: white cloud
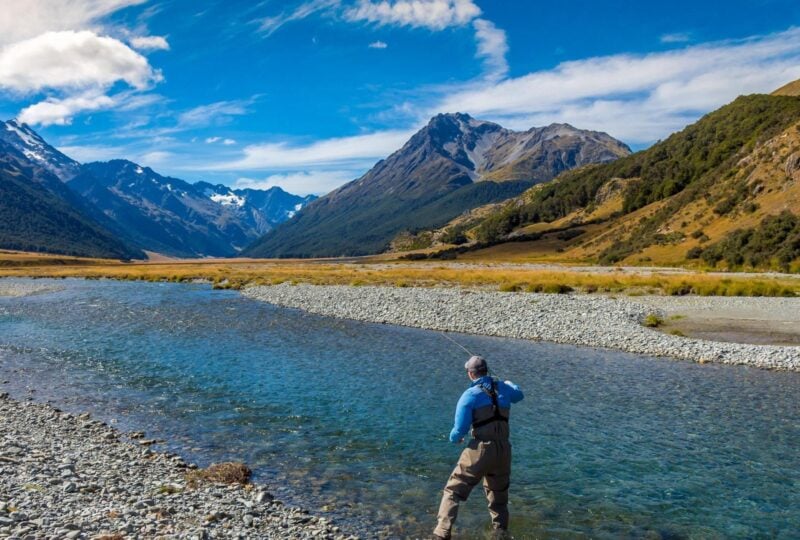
pixel 60 111
pixel 72 60
pixel 213 113
pixel 269 25
pixel 678 37
pixel 378 45
pixel 24 19
pixel 155 158
pixel 431 14
pixel 150 43
pixel 89 153
pixel 492 48
pixel 639 98
pixel 301 183
pixel 226 142
pixel 343 150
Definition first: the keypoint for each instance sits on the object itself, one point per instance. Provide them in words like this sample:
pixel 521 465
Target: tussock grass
pixel 220 473
pixel 236 274
pixel 653 321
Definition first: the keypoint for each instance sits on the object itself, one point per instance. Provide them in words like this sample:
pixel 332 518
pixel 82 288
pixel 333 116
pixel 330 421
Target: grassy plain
pixel 237 273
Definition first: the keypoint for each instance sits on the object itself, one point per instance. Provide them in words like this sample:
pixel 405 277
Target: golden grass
pixel 220 473
pixel 237 273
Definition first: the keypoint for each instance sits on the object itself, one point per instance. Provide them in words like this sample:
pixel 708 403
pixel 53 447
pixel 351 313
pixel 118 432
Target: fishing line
pixel 457 343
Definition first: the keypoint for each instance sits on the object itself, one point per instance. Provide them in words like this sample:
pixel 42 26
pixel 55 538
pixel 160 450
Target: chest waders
pixel 486 458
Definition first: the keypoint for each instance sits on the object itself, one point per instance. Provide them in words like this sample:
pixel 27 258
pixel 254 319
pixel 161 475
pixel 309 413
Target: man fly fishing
pixel 484 407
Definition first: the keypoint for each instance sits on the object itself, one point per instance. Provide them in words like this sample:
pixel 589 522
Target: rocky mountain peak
pixel 25 140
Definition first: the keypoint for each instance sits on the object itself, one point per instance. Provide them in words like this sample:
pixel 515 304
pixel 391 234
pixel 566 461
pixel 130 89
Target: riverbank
pixel 69 476
pixel 586 320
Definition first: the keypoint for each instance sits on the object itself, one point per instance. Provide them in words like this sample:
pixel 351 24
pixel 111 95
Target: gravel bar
pixel 17 289
pixel 65 476
pixel 586 320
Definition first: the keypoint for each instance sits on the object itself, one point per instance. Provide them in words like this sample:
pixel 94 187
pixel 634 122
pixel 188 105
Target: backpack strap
pixel 496 416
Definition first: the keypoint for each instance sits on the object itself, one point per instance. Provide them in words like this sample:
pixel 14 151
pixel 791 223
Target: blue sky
pixel 308 94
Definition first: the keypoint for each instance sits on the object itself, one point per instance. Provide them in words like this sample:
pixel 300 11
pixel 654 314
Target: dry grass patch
pixel 236 274
pixel 220 473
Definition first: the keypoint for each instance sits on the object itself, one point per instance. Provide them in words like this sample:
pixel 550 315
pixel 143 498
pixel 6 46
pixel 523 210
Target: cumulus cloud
pixel 301 183
pixel 639 98
pixel 72 60
pixel 492 48
pixel 342 150
pixel 378 45
pixel 60 48
pixel 212 140
pixel 150 43
pixel 24 19
pixel 228 142
pixel 60 111
pixel 431 14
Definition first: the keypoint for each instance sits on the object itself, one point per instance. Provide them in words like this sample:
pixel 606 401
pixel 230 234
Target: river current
pixel 351 419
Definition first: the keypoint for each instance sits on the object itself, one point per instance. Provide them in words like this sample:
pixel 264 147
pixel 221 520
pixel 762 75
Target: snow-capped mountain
pixel 22 138
pixel 38 212
pixel 173 217
pixel 150 211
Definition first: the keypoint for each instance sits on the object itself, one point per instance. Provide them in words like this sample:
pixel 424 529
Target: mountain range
pixel 173 217
pixel 138 208
pixel 723 191
pixel 453 164
pixel 38 212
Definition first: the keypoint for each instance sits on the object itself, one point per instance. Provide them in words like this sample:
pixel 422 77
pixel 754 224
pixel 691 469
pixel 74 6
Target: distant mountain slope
pixel 791 89
pixel 39 213
pixel 32 146
pixel 691 197
pixel 171 216
pixel 453 164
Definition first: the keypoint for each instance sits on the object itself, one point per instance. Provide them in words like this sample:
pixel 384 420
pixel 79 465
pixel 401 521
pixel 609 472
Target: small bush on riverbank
pixel 653 321
pixel 220 473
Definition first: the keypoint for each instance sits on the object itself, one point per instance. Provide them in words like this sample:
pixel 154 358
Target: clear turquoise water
pixel 354 416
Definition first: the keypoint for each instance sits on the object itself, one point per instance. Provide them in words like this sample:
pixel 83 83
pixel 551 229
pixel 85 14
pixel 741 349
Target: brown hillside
pixel 791 89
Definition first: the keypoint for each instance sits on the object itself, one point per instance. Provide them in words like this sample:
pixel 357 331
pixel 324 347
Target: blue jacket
pixel 475 398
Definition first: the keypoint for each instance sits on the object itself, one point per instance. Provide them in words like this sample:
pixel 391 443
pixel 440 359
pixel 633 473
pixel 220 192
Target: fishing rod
pixel 457 343
pixel 489 371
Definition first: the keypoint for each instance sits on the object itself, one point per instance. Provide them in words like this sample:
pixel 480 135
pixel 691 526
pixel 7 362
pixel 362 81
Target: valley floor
pixel 701 316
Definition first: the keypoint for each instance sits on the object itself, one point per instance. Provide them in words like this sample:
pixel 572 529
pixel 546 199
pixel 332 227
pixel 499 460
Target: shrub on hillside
pixel 774 244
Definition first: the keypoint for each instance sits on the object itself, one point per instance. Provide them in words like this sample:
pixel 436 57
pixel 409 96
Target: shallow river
pixel 350 419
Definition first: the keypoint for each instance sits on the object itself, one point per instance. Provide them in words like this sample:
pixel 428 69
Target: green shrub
pixel 694 253
pixel 775 243
pixel 653 321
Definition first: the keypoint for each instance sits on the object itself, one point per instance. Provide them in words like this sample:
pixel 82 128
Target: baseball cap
pixel 476 364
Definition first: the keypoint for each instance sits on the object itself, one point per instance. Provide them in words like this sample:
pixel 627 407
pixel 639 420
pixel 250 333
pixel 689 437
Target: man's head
pixel 476 367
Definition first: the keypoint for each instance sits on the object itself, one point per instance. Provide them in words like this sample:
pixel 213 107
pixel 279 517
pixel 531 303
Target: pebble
pixel 576 319
pixel 119 491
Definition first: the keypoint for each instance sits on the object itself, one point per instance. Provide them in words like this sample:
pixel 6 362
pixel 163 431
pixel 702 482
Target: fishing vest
pixel 490 423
